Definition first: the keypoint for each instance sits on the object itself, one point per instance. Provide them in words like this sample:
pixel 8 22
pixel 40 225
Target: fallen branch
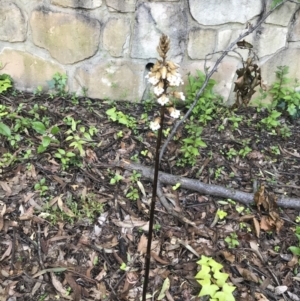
pixel 209 189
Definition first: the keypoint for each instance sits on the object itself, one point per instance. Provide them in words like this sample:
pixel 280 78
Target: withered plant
pixel 163 74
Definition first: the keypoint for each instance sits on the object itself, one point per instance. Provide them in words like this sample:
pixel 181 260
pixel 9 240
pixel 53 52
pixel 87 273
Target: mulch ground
pixel 82 238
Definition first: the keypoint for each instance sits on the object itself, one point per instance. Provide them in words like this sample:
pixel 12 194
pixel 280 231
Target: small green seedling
pixel 133 194
pixel 213 281
pixel 123 266
pixel 296 249
pixel 176 186
pixel 297 220
pixel 232 240
pixel 221 214
pixel 41 187
pixel 144 152
pixel 116 179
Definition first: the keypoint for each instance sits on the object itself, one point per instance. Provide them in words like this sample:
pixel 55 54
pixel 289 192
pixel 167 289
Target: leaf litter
pixel 83 239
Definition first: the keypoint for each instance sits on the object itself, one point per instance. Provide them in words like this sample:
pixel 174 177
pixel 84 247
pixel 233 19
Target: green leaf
pixel 112 114
pixel 4 130
pixel 226 293
pixel 295 250
pixel 38 127
pixel 165 287
pixel 204 273
pixel 55 130
pixel 221 278
pixel 46 141
pixel 207 288
pixel 215 266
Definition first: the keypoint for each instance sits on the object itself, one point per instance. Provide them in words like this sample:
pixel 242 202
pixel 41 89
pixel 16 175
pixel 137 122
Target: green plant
pixel 135 176
pixel 41 187
pixel 272 121
pixel 208 102
pixel 231 153
pixel 64 157
pixel 213 281
pixel 245 151
pixel 297 220
pixel 232 240
pixel 275 149
pixel 190 145
pixel 120 117
pixel 133 194
pixel 38 90
pixel 58 83
pixel 115 179
pixel 244 226
pixel 144 152
pixel 218 172
pixel 157 227
pixel 296 249
pixel 176 186
pixel 235 121
pixel 277 248
pixel 285 98
pixel 221 214
pixel 5 82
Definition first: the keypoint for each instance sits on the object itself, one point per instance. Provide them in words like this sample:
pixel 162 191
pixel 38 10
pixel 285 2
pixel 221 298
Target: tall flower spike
pixel 164 46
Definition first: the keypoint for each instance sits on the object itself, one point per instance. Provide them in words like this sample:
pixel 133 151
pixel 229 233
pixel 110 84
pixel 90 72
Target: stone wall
pixel 106 45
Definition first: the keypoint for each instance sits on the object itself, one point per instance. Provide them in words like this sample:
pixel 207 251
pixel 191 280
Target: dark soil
pixel 83 239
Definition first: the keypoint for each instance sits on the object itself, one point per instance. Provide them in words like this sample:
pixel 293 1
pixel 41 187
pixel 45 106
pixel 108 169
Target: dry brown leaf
pixel 64 208
pixel 293 261
pixel 142 246
pixel 6 188
pixel 157 258
pixel 248 275
pixel 59 287
pixel 260 297
pixel 256 227
pixel 228 256
pixel 265 224
pixel 7 252
pixel 255 155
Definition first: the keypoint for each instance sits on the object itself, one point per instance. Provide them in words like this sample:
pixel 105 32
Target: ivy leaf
pixel 207 288
pixel 215 266
pixel 221 278
pixel 204 273
pixel 226 293
pixel 204 260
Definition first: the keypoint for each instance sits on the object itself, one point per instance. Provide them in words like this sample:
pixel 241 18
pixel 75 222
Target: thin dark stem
pixel 154 193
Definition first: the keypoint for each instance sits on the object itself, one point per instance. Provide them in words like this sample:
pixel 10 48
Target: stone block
pixel 69 38
pixel 116 81
pixel 201 42
pixel 224 76
pixel 286 57
pixel 123 6
pixel 271 40
pixel 87 4
pixel 115 34
pixel 13 27
pixel 28 71
pixel 220 12
pixel 283 15
pixel 153 19
pixel 295 31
